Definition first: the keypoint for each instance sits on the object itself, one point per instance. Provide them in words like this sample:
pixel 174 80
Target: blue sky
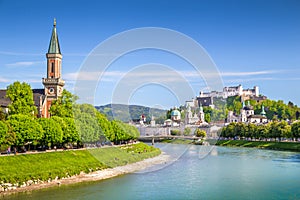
pixel 251 42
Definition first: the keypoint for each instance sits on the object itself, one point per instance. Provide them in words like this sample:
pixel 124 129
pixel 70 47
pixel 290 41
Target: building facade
pixel 247 115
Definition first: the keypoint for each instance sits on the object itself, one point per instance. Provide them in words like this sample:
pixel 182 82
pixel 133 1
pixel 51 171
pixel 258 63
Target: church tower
pixel 53 84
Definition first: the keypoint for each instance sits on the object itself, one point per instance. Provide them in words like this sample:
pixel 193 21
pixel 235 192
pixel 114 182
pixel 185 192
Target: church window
pixel 52 67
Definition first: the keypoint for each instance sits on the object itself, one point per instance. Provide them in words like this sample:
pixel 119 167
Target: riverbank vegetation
pixel 35 168
pixel 286 146
pixel 273 131
pixel 70 125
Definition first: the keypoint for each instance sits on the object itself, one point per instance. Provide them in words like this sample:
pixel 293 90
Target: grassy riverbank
pixel 177 141
pixel 48 166
pixel 284 146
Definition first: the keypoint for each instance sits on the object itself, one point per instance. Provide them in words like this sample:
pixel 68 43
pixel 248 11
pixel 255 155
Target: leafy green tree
pixel 64 106
pixel 279 130
pixel 129 132
pixel 2 115
pixel 53 134
pixel 70 132
pixel 25 129
pixel 175 132
pixel 187 131
pixel 251 130
pixel 3 132
pixel 200 133
pixel 234 104
pixel 207 117
pixel 295 130
pixel 239 130
pixel 21 97
pixel 88 128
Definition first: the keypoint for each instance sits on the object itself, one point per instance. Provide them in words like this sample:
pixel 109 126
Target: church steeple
pixel 54 44
pixel 53 83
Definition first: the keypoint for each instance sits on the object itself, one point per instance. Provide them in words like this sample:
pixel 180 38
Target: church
pixel 53 83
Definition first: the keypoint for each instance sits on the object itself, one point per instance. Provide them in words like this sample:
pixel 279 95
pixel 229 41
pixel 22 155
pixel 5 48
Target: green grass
pixel 45 166
pixel 113 157
pixel 177 141
pixel 285 146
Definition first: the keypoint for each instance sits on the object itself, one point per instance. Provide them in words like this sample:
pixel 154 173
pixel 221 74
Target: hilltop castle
pixel 53 83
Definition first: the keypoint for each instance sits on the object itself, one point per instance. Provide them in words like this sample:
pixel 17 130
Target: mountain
pixel 128 113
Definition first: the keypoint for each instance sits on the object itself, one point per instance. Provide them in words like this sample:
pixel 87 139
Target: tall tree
pixel 25 129
pixel 296 130
pixel 21 97
pixel 53 134
pixel 3 132
pixel 64 106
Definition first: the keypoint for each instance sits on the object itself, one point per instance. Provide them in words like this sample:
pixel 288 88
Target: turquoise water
pixel 227 173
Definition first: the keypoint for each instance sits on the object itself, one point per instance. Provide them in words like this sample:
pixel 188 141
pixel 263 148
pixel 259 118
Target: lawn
pixel 45 166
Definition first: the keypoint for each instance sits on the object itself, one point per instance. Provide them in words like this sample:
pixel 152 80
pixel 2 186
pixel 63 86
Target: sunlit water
pixel 227 173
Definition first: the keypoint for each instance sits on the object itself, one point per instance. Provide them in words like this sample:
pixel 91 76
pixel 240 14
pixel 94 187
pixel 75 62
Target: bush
pixel 175 132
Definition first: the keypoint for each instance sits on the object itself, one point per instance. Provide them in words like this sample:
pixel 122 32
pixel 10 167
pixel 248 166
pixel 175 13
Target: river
pixel 226 173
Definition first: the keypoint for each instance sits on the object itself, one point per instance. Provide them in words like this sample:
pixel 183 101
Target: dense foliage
pixel 274 130
pixel 70 123
pixel 200 133
pixel 21 97
pixel 126 113
pixel 275 110
pixel 287 146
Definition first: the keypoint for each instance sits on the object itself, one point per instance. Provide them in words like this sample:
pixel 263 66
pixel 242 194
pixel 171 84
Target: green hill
pixel 127 113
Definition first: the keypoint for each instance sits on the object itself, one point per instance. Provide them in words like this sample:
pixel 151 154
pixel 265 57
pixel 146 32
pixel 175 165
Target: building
pixel 232 91
pixel 192 118
pixel 247 115
pixel 208 98
pixel 53 83
pixel 176 115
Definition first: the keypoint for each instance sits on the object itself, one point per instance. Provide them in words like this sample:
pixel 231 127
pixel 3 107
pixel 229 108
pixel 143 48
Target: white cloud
pixel 3 80
pixel 253 73
pixel 175 76
pixel 19 54
pixel 24 63
pixel 113 76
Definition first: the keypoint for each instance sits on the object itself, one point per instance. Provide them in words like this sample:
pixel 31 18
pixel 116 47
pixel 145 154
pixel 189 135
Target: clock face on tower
pixel 51 90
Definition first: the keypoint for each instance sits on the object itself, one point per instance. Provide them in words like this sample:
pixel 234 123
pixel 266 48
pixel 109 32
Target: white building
pixel 232 91
pixel 247 115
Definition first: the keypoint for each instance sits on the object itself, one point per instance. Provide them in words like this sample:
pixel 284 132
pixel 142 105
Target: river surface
pixel 226 173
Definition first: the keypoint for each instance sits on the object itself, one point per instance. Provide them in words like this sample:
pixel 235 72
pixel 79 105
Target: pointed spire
pixel 54 44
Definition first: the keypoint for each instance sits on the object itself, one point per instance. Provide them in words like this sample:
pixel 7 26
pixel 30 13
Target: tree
pixel 280 129
pixel 187 131
pixel 3 132
pixel 175 132
pixel 21 97
pixel 251 130
pixel 200 133
pixel 70 133
pixel 25 129
pixel 52 134
pixel 295 129
pixel 207 117
pixel 64 106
